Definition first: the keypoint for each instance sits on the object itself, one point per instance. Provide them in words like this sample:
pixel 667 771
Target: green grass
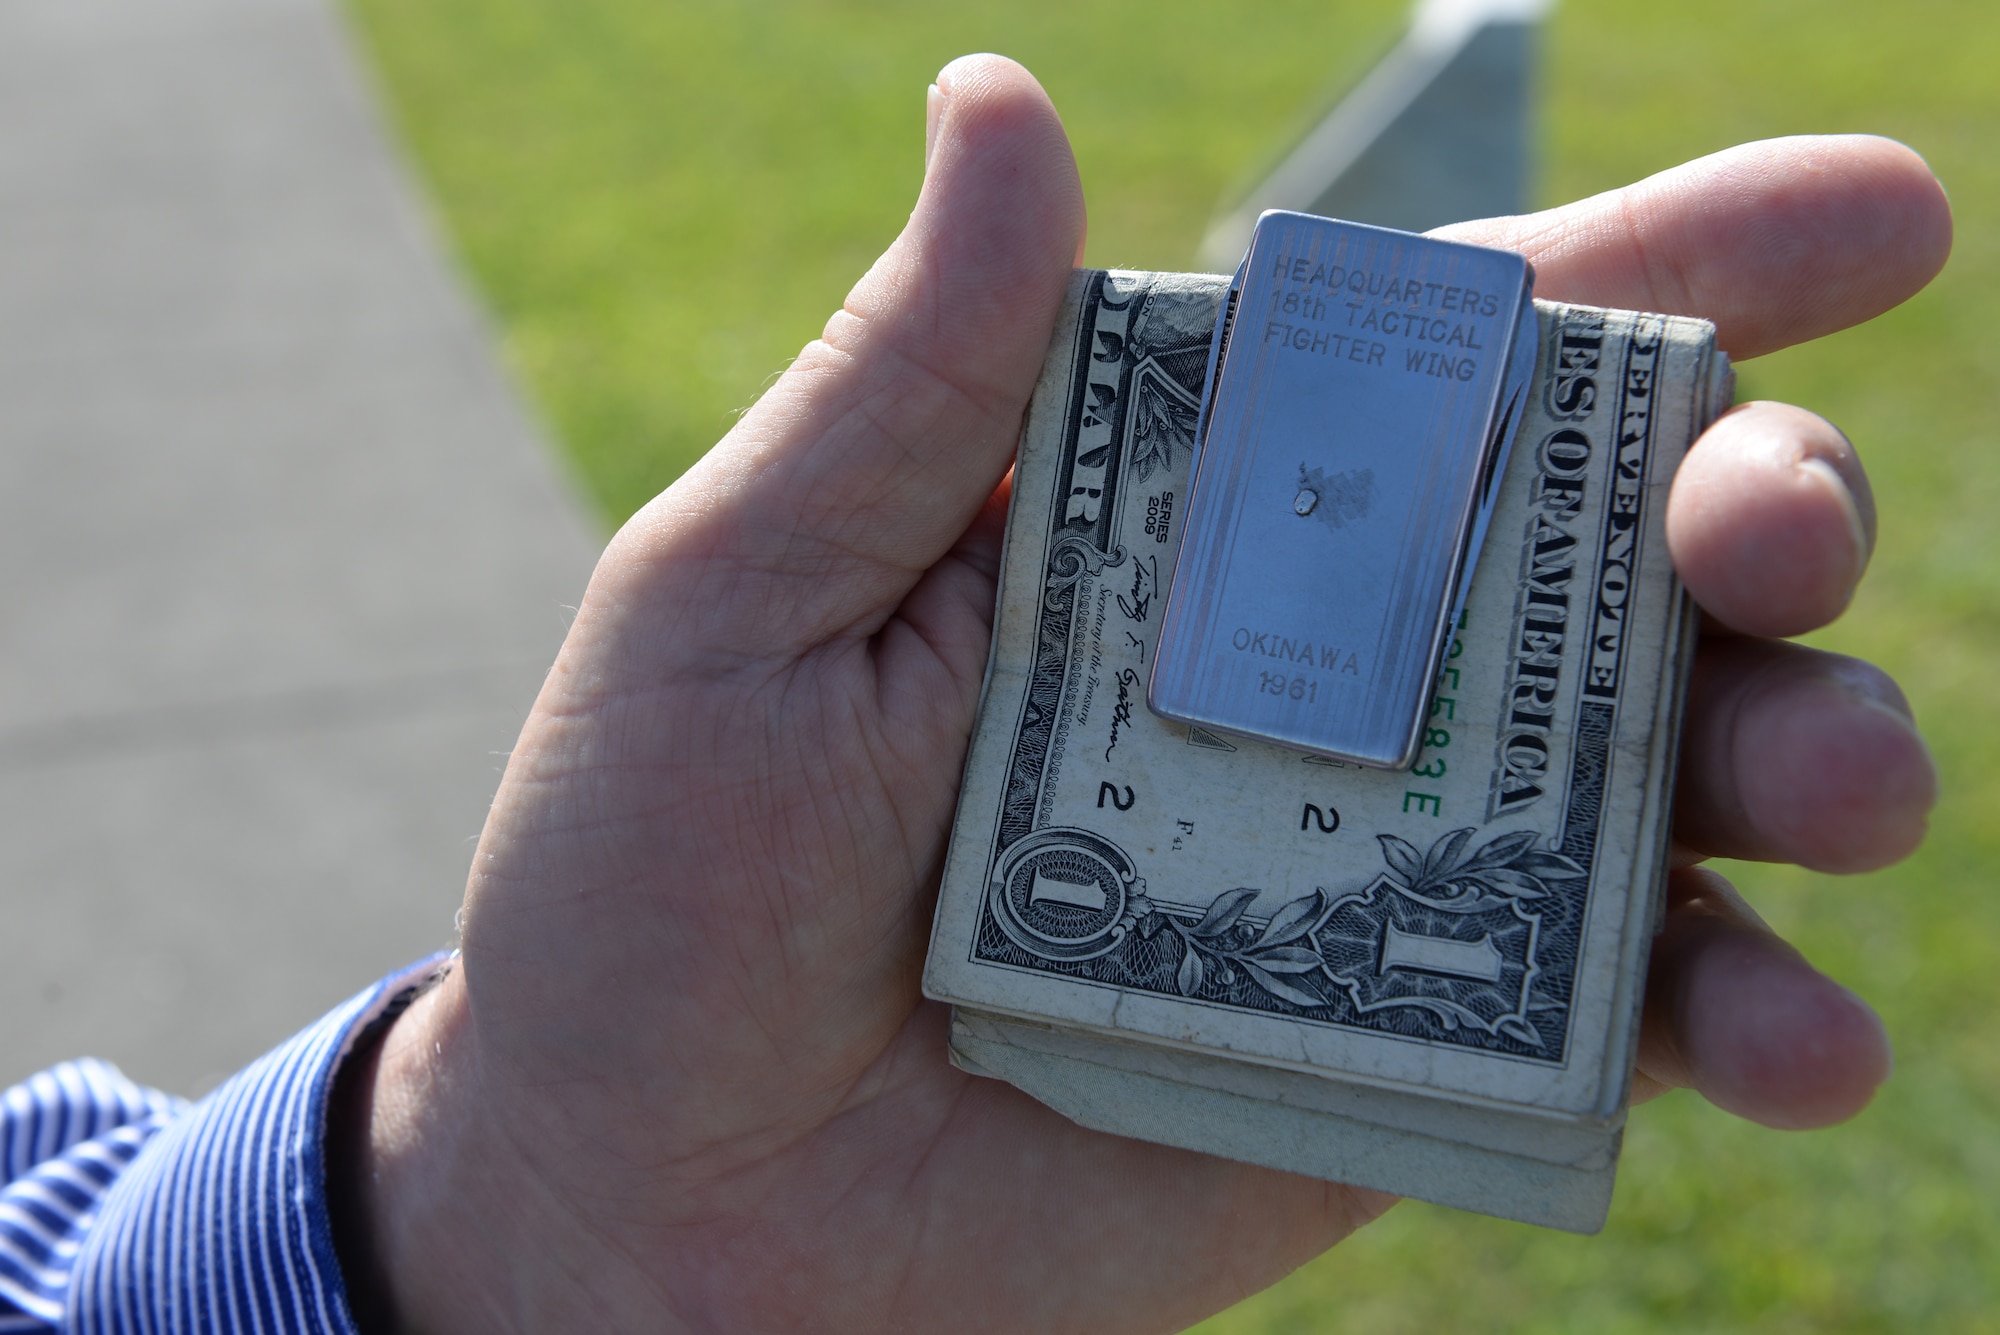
pixel 662 202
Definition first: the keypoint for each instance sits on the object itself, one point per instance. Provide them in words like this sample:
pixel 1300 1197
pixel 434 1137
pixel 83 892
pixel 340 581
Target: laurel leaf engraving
pixel 1189 979
pixel 1402 858
pixel 1286 959
pixel 1224 912
pixel 1444 854
pixel 1501 851
pixel 1157 432
pixel 1292 921
pixel 1278 987
pixel 1516 883
pixel 1549 866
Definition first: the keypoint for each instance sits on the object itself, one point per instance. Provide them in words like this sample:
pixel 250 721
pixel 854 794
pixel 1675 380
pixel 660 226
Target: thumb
pixel 873 453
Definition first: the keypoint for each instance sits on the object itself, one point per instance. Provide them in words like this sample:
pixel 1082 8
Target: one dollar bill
pixel 1424 981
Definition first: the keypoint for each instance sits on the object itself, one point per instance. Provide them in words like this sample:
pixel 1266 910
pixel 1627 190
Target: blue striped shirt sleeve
pixel 126 1210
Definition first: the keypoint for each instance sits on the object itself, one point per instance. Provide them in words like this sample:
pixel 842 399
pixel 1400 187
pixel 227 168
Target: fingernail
pixel 1876 691
pixel 1862 1005
pixel 1866 684
pixel 1836 486
pixel 933 113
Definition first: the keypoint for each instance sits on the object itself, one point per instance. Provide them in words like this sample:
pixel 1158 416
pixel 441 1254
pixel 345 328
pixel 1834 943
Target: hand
pixel 683 1078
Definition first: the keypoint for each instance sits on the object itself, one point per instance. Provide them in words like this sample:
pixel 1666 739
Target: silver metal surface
pixel 1363 389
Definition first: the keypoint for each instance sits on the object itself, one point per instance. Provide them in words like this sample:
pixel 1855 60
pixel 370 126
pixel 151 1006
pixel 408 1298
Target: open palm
pixel 683 1078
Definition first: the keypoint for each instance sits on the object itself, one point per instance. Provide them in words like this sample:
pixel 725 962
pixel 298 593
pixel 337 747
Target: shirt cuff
pixel 219 1221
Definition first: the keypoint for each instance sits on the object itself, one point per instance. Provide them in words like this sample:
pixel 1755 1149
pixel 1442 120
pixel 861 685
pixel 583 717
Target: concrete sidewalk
pixel 282 561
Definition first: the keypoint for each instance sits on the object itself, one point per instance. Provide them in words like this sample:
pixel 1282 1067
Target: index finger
pixel 1777 242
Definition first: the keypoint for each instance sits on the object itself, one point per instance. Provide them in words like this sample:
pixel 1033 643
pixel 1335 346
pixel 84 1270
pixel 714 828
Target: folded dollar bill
pixel 1425 981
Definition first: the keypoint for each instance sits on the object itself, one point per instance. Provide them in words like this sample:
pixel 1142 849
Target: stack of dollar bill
pixel 1425 981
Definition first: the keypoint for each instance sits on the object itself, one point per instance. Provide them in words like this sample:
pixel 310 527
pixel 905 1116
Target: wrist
pixel 418 1245
pixel 348 1173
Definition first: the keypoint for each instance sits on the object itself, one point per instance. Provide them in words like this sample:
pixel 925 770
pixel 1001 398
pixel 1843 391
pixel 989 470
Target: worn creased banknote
pixel 1425 981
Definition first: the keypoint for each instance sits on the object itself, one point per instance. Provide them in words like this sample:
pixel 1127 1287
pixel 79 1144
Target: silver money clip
pixel 1364 386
